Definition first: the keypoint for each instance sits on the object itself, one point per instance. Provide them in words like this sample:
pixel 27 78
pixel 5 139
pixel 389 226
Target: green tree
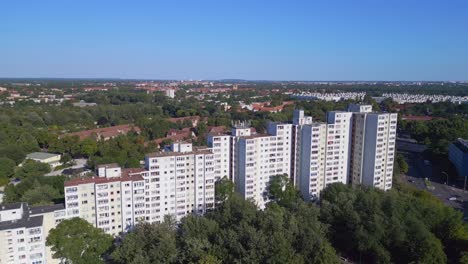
pixel 77 241
pixel 224 188
pixel 7 169
pixel 148 243
pixel 40 194
pixel 282 190
pixel 88 147
pixel 31 168
pixel 13 152
pixel 402 164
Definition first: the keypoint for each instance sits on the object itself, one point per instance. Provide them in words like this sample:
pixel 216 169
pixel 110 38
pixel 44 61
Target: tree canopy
pixel 77 241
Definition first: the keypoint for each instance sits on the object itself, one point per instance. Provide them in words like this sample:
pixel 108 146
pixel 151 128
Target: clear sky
pixel 253 39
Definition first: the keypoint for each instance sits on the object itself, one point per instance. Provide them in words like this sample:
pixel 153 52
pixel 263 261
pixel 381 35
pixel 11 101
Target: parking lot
pixel 419 170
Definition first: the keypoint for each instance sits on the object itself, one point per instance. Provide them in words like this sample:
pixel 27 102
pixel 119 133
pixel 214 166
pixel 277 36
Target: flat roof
pixel 26 222
pixel 462 144
pixel 41 155
pixel 171 153
pixel 46 209
pixel 100 180
pixel 10 206
pixel 110 165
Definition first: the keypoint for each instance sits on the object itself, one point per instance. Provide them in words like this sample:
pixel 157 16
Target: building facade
pixel 175 182
pixel 458 155
pixel 373 148
pixel 24 230
pixel 258 158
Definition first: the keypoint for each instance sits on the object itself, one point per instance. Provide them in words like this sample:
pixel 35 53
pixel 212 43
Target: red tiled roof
pixel 217 129
pixel 130 172
pixel 105 132
pixel 264 106
pixel 180 135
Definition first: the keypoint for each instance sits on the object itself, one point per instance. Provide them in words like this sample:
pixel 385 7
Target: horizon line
pixel 223 79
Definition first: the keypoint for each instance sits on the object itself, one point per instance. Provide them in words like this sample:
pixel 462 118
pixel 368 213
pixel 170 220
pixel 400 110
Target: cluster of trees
pixel 77 241
pixel 442 109
pixel 33 186
pixel 393 227
pixel 438 133
pixel 365 225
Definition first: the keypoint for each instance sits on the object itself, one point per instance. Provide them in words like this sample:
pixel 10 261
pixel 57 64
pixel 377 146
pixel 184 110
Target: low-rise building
pixel 458 155
pixel 49 158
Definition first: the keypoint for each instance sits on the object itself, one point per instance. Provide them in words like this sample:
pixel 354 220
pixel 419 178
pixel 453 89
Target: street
pixel 79 163
pixel 419 170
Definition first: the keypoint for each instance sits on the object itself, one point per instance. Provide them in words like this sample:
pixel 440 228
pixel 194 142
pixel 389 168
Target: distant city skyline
pixel 250 40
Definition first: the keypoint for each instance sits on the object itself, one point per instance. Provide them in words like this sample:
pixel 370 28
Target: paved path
pixel 418 171
pixel 79 163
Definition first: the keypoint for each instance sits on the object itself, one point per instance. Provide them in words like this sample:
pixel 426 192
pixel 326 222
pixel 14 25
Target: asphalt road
pixel 419 170
pixel 79 163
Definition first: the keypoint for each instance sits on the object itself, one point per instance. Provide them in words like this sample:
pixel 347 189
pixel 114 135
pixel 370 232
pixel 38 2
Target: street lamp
pixel 447 177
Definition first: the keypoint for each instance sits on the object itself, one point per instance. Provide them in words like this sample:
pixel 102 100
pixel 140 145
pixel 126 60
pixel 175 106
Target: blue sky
pixel 257 40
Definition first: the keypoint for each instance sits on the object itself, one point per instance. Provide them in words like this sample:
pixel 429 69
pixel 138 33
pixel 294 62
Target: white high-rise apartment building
pixel 180 182
pixel 220 144
pixel 322 152
pixel 24 230
pixel 311 156
pixel 176 182
pixel 338 144
pixel 113 201
pixel 259 157
pixel 373 142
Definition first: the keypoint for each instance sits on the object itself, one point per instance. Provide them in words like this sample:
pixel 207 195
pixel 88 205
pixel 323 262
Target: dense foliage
pixel 234 233
pixel 363 224
pixel 404 226
pixel 77 241
pixel 438 133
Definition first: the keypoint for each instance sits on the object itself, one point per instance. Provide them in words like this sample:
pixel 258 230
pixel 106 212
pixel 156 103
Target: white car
pixel 453 198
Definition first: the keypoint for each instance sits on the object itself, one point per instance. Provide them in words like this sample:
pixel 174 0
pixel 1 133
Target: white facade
pixel 373 154
pixel 360 108
pixel 113 203
pixel 176 182
pixel 310 158
pixel 23 233
pixel 109 170
pixel 170 93
pixel 338 144
pixel 322 153
pixel 221 147
pixel 258 158
pixel 179 183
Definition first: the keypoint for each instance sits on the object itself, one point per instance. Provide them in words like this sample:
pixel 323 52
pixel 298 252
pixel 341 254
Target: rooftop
pixel 26 221
pixel 41 155
pixel 462 144
pixel 111 165
pixel 99 180
pixel 105 132
pixel 10 206
pixel 46 209
pixel 171 153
